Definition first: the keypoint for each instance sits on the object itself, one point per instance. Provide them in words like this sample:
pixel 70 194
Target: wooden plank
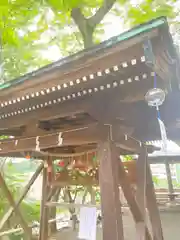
pixel 127 190
pixel 152 207
pixel 16 210
pixel 110 203
pixel 43 232
pixel 24 193
pixel 141 188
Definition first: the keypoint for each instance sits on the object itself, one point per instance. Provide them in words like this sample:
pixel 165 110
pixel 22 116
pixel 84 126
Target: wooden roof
pixel 102 85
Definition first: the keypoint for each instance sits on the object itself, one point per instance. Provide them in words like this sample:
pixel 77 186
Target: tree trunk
pixel 88 39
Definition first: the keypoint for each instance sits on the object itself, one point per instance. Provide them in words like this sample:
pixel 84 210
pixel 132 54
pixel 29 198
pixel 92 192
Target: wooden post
pixel 141 166
pixel 135 210
pixel 16 210
pixel 110 203
pixel 26 189
pixel 169 180
pixel 43 234
pixel 152 206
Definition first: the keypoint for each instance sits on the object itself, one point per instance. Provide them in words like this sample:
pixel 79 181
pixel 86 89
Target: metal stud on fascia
pixel 133 61
pixel 91 76
pixel 115 68
pixel 47 90
pixel 71 83
pixel 121 82
pixel 143 59
pixel 84 78
pixel 115 84
pixel 144 76
pixel 152 74
pixel 124 64
pixel 99 74
pixel 107 71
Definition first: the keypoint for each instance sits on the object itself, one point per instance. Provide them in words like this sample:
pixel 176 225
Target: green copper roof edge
pixel 145 27
pixel 140 29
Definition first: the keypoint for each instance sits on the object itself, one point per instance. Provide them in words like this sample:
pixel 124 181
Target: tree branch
pixel 78 18
pixel 101 12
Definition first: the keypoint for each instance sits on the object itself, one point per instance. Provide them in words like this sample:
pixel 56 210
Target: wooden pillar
pixel 134 207
pixel 9 196
pixel 43 234
pixel 141 167
pixel 110 203
pixel 169 180
pixel 152 206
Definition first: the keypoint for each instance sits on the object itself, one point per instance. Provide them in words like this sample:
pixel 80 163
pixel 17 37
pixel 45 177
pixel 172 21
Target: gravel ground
pixel 170 222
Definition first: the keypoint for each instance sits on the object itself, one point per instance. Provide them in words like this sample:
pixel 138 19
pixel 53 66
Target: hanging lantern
pixel 155 97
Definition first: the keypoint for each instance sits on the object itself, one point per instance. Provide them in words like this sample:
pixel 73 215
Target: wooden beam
pixel 152 207
pixel 80 136
pixel 110 203
pixel 16 210
pixel 43 232
pixel 18 202
pixel 169 180
pixel 127 190
pixel 141 190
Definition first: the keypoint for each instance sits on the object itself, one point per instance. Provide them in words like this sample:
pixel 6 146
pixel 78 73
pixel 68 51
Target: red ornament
pixel 61 164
